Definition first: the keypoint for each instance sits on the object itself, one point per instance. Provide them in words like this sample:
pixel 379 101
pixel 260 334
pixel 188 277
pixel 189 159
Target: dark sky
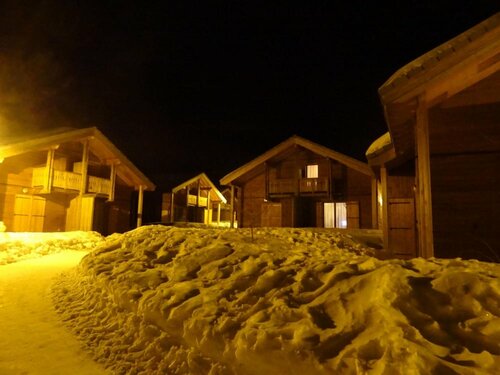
pixel 184 87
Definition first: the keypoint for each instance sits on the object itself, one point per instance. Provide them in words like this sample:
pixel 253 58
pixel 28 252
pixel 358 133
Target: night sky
pixel 184 87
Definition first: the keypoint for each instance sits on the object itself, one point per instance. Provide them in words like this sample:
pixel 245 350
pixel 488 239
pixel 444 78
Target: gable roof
pixel 422 70
pixel 99 144
pixel 215 194
pixel 444 74
pixel 291 142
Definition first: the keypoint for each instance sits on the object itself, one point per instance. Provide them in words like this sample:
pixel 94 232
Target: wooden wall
pixel 465 179
pixel 466 206
pixel 358 188
pixel 252 197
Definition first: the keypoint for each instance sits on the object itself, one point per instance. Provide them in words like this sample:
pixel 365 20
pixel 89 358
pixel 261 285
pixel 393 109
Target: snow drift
pixel 288 301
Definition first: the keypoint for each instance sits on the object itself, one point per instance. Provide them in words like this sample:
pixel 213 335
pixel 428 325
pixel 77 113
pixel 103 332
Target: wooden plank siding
pixel 284 180
pixel 56 166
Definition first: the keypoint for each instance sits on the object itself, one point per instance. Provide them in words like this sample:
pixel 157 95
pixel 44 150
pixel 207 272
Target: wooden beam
pixel 266 173
pixel 172 217
pixel 140 202
pixel 112 179
pixel 209 211
pixel 423 173
pixel 218 214
pixel 49 170
pixel 384 201
pixel 198 192
pixel 232 206
pixel 374 204
pixel 85 163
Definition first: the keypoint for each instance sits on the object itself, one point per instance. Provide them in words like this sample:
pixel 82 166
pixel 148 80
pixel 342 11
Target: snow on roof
pixel 299 301
pixel 379 145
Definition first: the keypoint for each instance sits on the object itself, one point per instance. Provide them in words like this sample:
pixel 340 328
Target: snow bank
pixel 290 301
pixel 16 246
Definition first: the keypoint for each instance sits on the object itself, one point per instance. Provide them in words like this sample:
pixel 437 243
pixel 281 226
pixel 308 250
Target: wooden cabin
pixel 67 179
pixel 299 183
pixel 438 168
pixel 196 200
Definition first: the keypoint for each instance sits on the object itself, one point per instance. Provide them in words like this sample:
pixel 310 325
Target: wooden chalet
pixel 196 200
pixel 299 183
pixel 67 179
pixel 438 168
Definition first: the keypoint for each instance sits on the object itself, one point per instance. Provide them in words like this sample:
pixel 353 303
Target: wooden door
pixel 402 227
pixel 271 214
pixel 29 213
pixel 352 214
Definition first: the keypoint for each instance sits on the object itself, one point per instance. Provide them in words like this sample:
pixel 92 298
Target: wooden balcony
pixel 313 185
pixel 203 202
pixel 298 186
pixel 70 181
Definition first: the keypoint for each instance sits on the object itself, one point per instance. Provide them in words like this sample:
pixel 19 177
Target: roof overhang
pixel 98 143
pixel 258 163
pixel 439 75
pixel 204 182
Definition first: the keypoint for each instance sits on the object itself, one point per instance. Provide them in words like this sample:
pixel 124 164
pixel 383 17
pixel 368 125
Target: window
pixel 335 215
pixel 312 171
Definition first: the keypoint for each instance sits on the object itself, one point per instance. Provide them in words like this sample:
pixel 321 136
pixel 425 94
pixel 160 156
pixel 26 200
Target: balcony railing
pixel 201 203
pixel 99 185
pixel 303 185
pixel 313 185
pixel 283 186
pixel 70 181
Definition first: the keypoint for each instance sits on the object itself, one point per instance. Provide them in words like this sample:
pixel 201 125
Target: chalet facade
pixel 196 200
pixel 438 168
pixel 67 179
pixel 300 183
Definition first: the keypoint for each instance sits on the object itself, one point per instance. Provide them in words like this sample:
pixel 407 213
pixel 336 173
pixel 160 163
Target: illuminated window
pixel 335 215
pixel 312 171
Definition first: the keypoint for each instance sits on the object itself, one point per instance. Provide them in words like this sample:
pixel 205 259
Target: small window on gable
pixel 312 171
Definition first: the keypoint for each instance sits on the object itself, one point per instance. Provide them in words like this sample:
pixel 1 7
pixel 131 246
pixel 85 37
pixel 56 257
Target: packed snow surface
pixel 33 340
pixel 168 300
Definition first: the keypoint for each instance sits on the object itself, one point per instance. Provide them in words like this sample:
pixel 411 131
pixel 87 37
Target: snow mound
pixel 17 246
pixel 287 301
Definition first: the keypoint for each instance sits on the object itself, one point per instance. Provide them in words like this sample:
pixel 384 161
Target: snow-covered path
pixel 33 340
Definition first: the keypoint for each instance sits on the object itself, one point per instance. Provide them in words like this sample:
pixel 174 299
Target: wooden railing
pixel 313 185
pixel 70 181
pixel 283 186
pixel 67 180
pixel 192 201
pixel 99 185
pixel 303 185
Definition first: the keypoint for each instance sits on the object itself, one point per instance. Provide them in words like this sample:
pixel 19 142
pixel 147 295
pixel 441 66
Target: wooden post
pixel 330 187
pixel 198 192
pixel 49 170
pixel 385 208
pixel 266 188
pixel 218 214
pixel 85 163
pixel 423 174
pixel 139 205
pixel 208 207
pixel 112 182
pixel 374 204
pixel 232 206
pixel 172 217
